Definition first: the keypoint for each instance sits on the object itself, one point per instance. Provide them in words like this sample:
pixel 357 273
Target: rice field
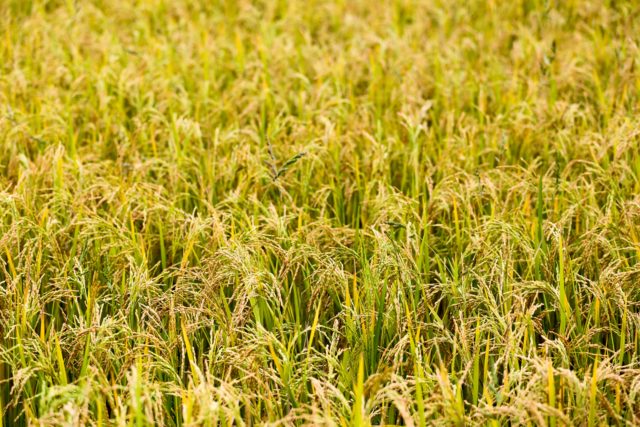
pixel 319 212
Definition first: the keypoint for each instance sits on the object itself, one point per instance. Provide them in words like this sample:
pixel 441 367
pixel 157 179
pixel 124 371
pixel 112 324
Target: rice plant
pixel 341 213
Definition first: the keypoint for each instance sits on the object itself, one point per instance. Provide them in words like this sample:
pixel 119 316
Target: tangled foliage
pixel 417 212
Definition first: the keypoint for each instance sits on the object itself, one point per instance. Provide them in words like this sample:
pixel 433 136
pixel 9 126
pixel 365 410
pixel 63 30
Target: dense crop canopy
pixel 238 212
